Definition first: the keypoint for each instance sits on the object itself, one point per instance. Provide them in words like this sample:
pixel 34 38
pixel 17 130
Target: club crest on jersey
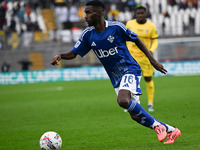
pixel 110 39
pixel 146 31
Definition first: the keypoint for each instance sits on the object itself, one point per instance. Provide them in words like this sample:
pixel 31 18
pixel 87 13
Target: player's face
pixel 141 15
pixel 91 16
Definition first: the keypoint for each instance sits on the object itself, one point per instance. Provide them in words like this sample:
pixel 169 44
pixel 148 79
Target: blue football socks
pixel 145 118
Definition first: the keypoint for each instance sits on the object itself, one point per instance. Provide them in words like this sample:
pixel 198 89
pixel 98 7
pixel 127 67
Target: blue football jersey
pixel 110 47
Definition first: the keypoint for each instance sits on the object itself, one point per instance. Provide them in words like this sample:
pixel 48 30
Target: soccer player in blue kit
pixel 108 41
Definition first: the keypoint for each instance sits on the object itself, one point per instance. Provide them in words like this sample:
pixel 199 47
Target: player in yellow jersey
pixel 146 31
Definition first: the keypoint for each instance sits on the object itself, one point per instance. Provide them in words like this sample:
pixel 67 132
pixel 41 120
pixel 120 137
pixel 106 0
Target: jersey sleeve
pixel 154 32
pixel 127 34
pixel 82 47
pixel 154 41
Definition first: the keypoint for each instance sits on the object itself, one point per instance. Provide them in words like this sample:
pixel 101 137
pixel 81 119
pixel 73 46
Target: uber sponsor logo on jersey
pixel 106 53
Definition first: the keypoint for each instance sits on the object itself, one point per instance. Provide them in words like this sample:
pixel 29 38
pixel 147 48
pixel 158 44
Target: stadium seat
pixel 197 23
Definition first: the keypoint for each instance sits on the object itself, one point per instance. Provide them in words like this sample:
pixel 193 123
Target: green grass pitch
pixel 87 116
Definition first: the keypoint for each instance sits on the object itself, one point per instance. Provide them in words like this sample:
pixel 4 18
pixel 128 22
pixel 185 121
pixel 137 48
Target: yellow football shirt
pixel 146 33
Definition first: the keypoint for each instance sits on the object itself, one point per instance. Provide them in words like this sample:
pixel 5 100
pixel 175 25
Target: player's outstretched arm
pixel 158 66
pixel 68 55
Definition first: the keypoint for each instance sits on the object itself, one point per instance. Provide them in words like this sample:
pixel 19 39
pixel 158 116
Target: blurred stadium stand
pixel 36 30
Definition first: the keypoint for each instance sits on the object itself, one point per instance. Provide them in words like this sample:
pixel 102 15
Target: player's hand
pixel 56 59
pixel 158 66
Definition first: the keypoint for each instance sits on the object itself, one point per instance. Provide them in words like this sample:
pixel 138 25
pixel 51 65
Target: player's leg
pixel 127 91
pixel 147 72
pixel 150 92
pixel 140 115
pixel 127 98
pixel 128 82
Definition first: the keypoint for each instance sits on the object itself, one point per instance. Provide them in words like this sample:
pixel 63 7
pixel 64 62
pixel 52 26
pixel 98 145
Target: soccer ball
pixel 50 140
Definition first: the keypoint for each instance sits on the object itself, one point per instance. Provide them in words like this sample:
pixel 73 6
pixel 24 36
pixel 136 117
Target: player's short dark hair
pixel 141 7
pixel 96 3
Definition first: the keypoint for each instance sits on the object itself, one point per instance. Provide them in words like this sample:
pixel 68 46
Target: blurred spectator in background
pixel 73 13
pixel 81 12
pixel 160 7
pixel 166 14
pixel 25 64
pixel 185 3
pixel 21 14
pixel 181 5
pixel 34 4
pixel 132 5
pixel 16 7
pixel 12 27
pixel 61 13
pixel 28 11
pixel 191 25
pixel 113 13
pixel 172 2
pixel 2 15
pixel 5 67
pixel 43 3
pixel 195 4
pixel 163 28
pixel 148 11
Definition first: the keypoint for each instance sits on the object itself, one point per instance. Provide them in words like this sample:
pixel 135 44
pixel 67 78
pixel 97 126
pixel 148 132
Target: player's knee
pixel 123 98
